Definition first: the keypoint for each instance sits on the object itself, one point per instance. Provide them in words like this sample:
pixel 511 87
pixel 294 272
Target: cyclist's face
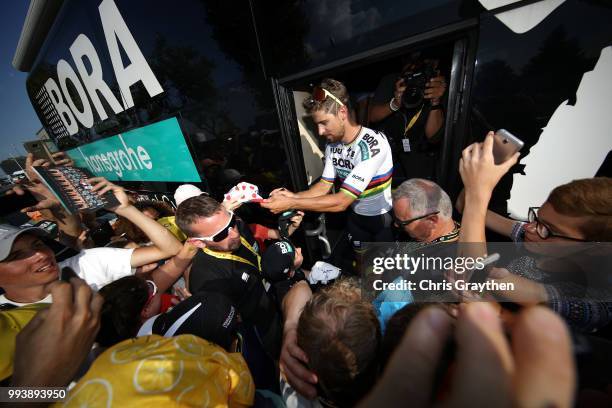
pixel 329 126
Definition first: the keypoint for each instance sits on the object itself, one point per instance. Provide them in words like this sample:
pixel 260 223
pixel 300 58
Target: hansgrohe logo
pixel 120 160
pixel 156 152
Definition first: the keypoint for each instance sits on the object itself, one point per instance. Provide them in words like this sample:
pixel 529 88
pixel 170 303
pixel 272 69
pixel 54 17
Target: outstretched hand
pixel 30 163
pixel 282 192
pixel 102 185
pixel 62 159
pixel 296 221
pixel 277 203
pixel 292 364
pixel 478 170
pixel 46 199
pixel 435 89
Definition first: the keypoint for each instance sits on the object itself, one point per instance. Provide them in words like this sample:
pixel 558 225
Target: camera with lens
pixel 415 79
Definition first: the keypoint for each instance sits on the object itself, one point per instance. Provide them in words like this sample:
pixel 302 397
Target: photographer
pixel 408 108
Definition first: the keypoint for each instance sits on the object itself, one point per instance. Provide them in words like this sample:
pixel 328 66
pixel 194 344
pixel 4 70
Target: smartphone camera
pixel 505 145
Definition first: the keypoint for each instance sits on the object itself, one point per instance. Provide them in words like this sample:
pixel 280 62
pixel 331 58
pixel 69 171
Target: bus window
pixel 415 129
pixel 311 146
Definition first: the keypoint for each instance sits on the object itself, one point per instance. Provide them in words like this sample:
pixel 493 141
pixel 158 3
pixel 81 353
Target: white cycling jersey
pixel 364 167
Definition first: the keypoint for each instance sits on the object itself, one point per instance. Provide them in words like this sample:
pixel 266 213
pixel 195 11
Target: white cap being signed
pixel 185 191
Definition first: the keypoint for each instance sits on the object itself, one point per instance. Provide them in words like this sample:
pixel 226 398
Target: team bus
pixel 153 94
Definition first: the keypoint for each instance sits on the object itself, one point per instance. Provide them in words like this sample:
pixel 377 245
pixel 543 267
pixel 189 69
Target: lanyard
pixel 451 236
pixel 232 257
pixel 413 121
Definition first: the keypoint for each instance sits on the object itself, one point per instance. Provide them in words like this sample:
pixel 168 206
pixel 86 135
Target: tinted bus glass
pixel 320 31
pixel 204 59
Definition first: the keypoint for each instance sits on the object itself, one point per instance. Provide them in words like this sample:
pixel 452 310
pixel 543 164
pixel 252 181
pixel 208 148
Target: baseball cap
pixel 208 315
pixel 9 233
pixel 185 191
pixel 277 261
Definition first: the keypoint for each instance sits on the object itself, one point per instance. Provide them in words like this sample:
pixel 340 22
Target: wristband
pixel 518 231
pixel 436 107
pixel 392 105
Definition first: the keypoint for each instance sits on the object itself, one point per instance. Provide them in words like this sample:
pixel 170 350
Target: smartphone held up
pixel 41 149
pixel 505 145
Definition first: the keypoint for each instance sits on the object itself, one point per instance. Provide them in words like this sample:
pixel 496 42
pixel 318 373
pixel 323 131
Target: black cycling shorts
pixel 363 228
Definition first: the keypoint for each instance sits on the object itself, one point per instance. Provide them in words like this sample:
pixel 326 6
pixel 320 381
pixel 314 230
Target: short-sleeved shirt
pixel 97 266
pixel 4 301
pixel 364 168
pixel 243 284
pixel 101 266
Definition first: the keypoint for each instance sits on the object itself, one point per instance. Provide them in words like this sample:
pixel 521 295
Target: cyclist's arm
pixel 355 183
pixel 337 202
pixel 321 188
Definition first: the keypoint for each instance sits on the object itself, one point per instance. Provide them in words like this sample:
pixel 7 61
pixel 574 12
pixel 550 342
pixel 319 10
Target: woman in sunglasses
pixel 560 273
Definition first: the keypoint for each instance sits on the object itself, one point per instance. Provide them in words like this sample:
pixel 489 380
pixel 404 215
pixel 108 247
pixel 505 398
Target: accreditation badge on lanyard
pixel 236 258
pixel 406 144
pixel 405 140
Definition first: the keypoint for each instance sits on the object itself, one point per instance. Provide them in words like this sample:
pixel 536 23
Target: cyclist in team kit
pixel 356 157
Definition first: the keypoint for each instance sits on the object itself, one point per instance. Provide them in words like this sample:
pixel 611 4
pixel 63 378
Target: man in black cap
pixel 281 265
pixel 129 311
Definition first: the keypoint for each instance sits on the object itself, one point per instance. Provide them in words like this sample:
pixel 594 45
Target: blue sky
pixel 19 122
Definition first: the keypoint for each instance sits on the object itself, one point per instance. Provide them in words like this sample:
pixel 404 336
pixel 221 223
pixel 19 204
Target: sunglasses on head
pixel 319 94
pixel 222 234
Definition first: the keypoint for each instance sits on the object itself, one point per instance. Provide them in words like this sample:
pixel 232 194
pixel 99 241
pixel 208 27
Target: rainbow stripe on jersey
pixel 377 185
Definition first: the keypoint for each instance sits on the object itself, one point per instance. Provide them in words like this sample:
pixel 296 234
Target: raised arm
pixel 494 221
pixel 69 225
pixel 480 175
pixel 294 302
pixel 164 276
pixel 380 108
pixel 293 360
pixel 434 91
pixel 165 244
